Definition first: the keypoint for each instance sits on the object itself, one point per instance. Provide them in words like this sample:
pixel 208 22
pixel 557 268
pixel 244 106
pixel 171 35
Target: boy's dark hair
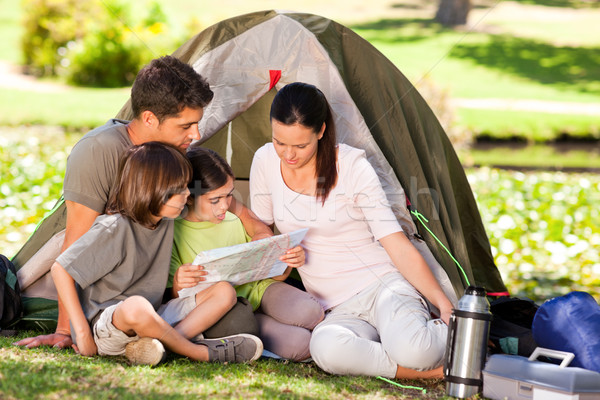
pixel 166 86
pixel 149 175
pixel 209 170
pixel 304 104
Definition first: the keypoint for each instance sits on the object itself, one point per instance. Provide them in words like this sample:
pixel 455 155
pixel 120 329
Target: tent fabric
pixel 376 109
pixel 246 59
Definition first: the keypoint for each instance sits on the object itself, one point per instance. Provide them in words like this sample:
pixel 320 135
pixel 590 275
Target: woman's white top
pixel 343 255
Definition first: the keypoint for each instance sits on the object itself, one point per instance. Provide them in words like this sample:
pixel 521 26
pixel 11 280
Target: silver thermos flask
pixel 466 347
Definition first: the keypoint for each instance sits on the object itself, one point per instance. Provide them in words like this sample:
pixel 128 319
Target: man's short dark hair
pixel 166 86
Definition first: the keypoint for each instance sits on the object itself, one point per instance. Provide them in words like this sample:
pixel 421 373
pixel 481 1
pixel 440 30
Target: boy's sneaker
pixel 146 351
pixel 236 348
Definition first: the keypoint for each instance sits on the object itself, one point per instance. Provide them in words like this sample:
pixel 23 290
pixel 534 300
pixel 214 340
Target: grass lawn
pixel 540 127
pixel 51 374
pixel 75 108
pixel 484 65
pixel 532 156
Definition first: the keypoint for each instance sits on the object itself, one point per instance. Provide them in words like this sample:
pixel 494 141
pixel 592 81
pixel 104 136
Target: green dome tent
pixel 247 58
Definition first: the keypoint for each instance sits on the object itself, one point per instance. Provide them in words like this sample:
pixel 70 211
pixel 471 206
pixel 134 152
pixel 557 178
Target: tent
pixel 247 58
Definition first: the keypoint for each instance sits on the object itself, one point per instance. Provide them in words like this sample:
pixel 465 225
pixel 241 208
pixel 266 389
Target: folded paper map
pixel 246 262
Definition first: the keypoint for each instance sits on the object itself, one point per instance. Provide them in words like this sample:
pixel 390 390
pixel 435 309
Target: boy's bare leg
pixel 137 316
pixel 211 305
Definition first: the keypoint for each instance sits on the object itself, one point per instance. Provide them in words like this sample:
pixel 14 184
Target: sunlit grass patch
pixel 46 373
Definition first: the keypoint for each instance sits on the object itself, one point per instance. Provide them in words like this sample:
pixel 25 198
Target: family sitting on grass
pixel 140 198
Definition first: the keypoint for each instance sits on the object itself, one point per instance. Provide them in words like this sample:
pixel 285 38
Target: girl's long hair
pixel 149 175
pixel 304 104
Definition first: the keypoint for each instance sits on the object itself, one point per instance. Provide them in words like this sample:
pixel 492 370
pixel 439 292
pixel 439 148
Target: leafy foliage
pixel 116 47
pixel 543 229
pixel 32 169
pixel 50 25
pixel 92 42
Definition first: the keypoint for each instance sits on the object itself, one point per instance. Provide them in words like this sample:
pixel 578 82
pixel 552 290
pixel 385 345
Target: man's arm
pixel 255 228
pixel 79 220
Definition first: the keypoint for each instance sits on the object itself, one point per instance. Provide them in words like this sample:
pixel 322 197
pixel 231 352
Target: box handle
pixel 565 356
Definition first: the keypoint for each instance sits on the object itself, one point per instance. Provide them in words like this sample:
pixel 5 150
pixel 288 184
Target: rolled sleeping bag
pixel 570 323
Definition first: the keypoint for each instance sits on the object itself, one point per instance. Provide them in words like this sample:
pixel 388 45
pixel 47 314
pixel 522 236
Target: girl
pixel 285 314
pixel 112 279
pixel 360 265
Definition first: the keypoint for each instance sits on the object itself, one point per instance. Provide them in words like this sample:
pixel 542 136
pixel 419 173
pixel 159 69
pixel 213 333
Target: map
pixel 246 262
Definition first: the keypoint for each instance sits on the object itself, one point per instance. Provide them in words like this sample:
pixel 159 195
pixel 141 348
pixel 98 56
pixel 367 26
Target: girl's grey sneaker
pixel 235 348
pixel 146 351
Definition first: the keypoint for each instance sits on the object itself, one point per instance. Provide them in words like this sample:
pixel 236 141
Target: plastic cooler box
pixel 520 378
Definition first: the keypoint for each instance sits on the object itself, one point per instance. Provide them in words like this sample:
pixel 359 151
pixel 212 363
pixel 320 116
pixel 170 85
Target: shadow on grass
pixel 537 61
pixel 401 30
pixel 562 3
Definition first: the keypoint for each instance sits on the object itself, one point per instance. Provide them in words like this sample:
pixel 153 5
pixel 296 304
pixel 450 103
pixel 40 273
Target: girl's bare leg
pixel 211 305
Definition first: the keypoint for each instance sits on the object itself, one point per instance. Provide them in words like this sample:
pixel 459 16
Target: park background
pixel 517 88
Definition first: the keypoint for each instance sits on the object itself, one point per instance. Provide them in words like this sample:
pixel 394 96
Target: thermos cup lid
pixel 476 291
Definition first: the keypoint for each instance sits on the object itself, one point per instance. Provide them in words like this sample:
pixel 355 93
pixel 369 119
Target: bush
pixel 104 56
pixel 104 59
pixel 48 26
pixel 103 46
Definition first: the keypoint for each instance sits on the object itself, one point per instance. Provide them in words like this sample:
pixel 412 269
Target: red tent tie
pixel 275 75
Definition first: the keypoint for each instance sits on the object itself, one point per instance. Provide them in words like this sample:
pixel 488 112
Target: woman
pixel 359 264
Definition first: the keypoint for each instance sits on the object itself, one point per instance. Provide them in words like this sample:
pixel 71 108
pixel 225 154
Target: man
pixel 168 99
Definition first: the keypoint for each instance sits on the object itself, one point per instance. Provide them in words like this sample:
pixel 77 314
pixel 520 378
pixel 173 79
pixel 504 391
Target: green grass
pixel 531 156
pixel 562 29
pixel 479 65
pixel 77 108
pixel 527 125
pixel 50 374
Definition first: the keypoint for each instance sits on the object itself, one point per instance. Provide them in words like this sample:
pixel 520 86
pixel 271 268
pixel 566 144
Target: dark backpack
pixel 510 330
pixel 11 307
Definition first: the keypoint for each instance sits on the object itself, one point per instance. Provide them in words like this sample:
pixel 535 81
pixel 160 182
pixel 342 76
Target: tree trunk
pixel 453 12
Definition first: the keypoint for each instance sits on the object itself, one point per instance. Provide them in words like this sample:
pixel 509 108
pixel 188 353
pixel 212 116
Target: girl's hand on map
pixel 294 258
pixel 188 275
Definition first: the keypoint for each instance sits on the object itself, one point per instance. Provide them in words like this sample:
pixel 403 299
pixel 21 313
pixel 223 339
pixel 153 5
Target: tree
pixel 453 12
